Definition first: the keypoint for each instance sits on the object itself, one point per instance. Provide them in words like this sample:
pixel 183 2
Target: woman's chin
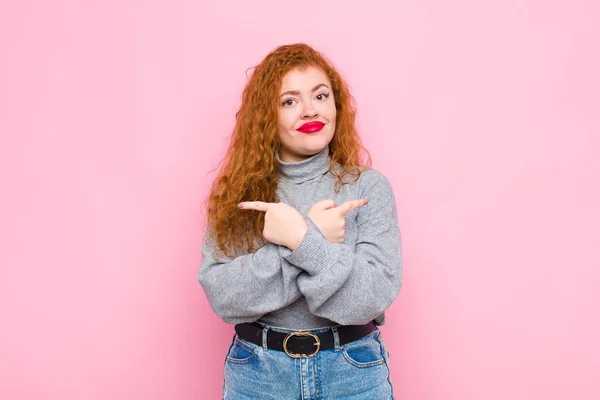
pixel 316 143
pixel 312 150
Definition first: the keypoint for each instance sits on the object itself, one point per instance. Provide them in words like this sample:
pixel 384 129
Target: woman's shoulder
pixel 369 179
pixel 374 186
pixel 373 180
pixel 369 174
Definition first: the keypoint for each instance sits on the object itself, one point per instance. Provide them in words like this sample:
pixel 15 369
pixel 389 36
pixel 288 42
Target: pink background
pixel 483 114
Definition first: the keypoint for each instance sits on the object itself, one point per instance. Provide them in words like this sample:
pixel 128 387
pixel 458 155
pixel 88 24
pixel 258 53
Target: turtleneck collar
pixel 302 171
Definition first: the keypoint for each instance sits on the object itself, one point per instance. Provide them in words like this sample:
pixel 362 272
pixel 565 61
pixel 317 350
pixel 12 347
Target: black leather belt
pixel 302 344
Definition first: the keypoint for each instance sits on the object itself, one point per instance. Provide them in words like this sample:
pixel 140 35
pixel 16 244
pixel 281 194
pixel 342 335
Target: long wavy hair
pixel 249 170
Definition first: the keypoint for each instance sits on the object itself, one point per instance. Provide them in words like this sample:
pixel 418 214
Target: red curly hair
pixel 249 169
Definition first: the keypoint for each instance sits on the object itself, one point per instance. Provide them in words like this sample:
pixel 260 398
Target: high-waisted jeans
pixel 355 371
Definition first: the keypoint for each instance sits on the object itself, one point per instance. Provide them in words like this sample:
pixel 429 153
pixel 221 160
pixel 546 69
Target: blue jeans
pixel 356 371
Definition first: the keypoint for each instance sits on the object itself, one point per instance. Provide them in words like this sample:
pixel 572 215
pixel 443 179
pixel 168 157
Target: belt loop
pixel 336 338
pixel 264 337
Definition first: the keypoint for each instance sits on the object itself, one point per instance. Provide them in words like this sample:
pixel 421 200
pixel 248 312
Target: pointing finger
pixel 254 205
pixel 324 204
pixel 352 204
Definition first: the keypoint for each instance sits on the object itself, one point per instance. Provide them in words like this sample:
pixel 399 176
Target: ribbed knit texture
pixel 319 283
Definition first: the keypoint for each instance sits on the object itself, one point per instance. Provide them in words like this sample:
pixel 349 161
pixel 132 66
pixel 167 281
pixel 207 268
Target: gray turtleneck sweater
pixel 319 284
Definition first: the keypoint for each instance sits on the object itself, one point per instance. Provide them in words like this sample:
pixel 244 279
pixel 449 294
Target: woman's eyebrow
pixel 297 93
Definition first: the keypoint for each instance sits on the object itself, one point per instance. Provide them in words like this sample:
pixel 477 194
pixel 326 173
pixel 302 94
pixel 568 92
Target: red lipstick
pixel 311 127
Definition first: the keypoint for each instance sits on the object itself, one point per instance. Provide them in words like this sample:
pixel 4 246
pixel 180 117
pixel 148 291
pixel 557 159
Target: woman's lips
pixel 311 127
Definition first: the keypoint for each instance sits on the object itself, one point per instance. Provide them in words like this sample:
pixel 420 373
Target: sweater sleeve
pixel 354 284
pixel 245 288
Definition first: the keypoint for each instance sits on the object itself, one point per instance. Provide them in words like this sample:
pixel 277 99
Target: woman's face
pixel 306 113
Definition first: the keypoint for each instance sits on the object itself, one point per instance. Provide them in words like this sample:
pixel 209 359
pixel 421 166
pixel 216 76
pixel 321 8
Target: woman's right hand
pixel 284 225
pixel 331 220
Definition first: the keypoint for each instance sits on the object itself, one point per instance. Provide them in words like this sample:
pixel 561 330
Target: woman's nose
pixel 309 110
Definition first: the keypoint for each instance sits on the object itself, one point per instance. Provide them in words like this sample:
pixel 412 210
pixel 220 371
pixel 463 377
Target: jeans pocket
pixel 242 351
pixel 365 352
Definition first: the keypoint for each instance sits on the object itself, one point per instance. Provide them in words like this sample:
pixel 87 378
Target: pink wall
pixel 483 114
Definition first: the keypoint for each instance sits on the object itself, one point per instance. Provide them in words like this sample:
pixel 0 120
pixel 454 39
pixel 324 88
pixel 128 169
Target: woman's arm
pixel 247 287
pixel 354 284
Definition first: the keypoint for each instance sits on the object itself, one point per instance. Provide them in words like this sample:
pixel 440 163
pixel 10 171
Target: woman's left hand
pixel 284 225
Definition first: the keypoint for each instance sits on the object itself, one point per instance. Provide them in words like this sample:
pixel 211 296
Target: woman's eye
pixel 322 96
pixel 288 103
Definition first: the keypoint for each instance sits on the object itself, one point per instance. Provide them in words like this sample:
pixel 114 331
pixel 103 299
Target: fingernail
pixel 240 206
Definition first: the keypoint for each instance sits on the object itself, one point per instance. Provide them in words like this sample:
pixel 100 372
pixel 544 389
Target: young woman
pixel 302 249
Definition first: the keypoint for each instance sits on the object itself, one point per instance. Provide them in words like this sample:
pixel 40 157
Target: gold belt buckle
pixel 317 343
